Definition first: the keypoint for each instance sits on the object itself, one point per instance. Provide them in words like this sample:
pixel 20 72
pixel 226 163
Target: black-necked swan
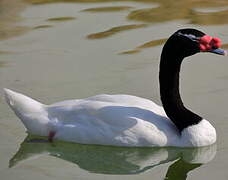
pixel 125 120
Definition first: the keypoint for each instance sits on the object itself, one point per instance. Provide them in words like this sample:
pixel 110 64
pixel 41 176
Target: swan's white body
pixel 118 120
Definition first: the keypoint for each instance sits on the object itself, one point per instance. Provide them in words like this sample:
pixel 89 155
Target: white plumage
pixel 118 120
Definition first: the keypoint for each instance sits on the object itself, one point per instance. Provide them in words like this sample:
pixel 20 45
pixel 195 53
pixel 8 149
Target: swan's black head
pixel 187 42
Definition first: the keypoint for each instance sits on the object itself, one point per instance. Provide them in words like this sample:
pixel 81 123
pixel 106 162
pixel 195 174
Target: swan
pixel 126 120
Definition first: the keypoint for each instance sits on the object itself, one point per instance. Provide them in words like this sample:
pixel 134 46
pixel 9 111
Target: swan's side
pixel 119 120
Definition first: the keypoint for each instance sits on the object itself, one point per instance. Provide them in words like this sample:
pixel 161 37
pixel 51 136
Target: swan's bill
pixel 219 51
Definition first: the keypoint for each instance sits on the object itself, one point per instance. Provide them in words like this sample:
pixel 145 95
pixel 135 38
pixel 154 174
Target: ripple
pixel 204 12
pixel 43 26
pixel 134 51
pixel 7 32
pixel 5 52
pixel 203 18
pixel 153 43
pixel 9 16
pixel 2 64
pixel 210 10
pixel 108 9
pixel 115 30
pixel 225 46
pixel 61 19
pixel 149 44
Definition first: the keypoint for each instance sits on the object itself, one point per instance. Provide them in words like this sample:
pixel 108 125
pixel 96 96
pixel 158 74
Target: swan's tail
pixel 31 112
pixel 21 103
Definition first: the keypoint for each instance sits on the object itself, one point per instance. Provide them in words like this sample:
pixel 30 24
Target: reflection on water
pixel 2 63
pixel 179 170
pixel 203 18
pixel 225 46
pixel 43 26
pixel 149 44
pixel 133 51
pixel 115 30
pixel 9 15
pixel 60 19
pixel 203 12
pixel 108 9
pixel 5 52
pixel 168 10
pixel 196 12
pixel 153 43
pixel 176 10
pixel 117 160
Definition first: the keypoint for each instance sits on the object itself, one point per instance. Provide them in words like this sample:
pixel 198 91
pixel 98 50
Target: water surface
pixel 54 50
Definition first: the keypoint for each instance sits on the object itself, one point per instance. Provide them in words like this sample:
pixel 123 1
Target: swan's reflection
pixel 118 160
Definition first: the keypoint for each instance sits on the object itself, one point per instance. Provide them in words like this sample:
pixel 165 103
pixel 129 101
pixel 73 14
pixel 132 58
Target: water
pixel 75 49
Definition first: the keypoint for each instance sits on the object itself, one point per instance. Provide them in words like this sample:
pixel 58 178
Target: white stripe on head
pixel 189 36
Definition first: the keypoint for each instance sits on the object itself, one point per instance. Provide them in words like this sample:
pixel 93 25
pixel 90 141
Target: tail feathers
pixel 22 104
pixel 32 113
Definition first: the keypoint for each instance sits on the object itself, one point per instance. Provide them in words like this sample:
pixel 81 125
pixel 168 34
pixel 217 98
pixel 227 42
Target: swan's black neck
pixel 170 64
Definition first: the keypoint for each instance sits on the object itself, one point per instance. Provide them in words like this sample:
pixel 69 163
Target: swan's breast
pixel 201 134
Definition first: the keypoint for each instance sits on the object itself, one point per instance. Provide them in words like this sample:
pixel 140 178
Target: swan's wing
pixel 119 99
pixel 111 119
pixel 111 108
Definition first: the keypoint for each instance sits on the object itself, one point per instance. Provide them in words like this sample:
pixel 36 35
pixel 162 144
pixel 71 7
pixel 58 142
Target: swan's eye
pixel 207 43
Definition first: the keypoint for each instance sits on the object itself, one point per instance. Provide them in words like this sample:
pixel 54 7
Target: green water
pixel 54 50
